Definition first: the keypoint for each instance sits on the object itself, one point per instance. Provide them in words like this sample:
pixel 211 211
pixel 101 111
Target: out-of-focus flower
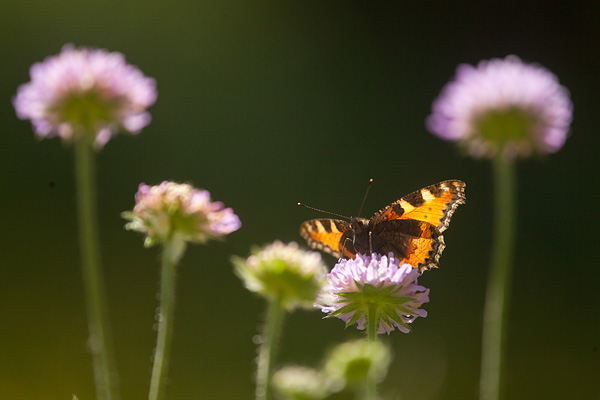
pixel 374 284
pixel 300 383
pixel 177 211
pixel 284 273
pixel 353 363
pixel 503 106
pixel 84 91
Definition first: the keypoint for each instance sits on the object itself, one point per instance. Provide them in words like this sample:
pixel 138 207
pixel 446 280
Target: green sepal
pixel 401 300
pixel 406 311
pixel 128 215
pixel 355 317
pixel 348 308
pixel 149 241
pixel 396 318
pixel 238 262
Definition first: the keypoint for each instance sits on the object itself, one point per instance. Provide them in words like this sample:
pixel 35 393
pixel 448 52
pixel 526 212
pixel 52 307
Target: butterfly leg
pixel 344 247
pixel 370 243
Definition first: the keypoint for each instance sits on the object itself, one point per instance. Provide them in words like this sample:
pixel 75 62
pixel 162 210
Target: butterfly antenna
pixel 365 198
pixel 323 211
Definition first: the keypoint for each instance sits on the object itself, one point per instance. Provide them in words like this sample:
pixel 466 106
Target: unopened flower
pixel 284 273
pixel 179 211
pixel 374 284
pixel 353 363
pixel 85 91
pixel 503 106
pixel 300 383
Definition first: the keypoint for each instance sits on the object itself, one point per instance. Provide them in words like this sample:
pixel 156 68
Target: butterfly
pixel 411 228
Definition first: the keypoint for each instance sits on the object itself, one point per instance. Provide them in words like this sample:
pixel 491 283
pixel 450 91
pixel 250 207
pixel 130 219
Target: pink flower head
pixel 85 90
pixel 503 106
pixel 356 286
pixel 179 210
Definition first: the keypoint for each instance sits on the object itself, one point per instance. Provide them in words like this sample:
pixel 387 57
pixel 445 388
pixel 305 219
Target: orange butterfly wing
pixel 411 227
pixel 433 204
pixel 329 235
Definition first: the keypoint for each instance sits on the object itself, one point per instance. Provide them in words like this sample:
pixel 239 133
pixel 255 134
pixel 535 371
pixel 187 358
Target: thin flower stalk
pixel 165 321
pixel 372 326
pixel 267 351
pixel 100 341
pixel 499 281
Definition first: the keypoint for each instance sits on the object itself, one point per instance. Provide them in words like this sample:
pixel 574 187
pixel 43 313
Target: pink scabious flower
pixel 85 90
pixel 178 210
pixel 503 106
pixel 377 282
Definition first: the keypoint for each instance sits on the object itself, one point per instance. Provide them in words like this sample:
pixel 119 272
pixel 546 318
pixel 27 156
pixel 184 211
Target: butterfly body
pixel 410 228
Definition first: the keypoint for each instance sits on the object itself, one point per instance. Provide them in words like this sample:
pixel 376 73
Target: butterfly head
pixel 360 236
pixel 359 225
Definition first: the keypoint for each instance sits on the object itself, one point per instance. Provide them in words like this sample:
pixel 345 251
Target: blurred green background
pixel 270 103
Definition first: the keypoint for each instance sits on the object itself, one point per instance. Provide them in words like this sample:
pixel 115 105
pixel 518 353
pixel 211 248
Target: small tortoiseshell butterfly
pixel 411 228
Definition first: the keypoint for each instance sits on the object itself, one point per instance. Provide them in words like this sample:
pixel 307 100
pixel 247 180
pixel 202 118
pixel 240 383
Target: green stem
pixel 498 289
pixel 100 341
pixel 372 328
pixel 165 320
pixel 268 348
